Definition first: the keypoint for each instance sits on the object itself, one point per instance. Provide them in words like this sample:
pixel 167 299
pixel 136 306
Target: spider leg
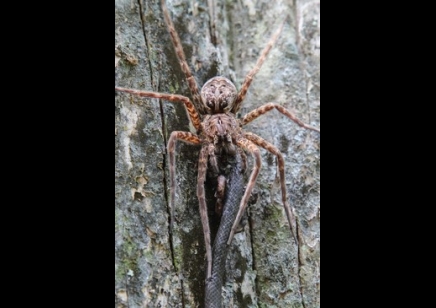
pixel 212 157
pixel 192 113
pixel 202 168
pixel 267 107
pixel 182 59
pixel 249 77
pixel 281 162
pixel 220 194
pixel 254 150
pixel 188 138
pixel 221 180
pixel 243 160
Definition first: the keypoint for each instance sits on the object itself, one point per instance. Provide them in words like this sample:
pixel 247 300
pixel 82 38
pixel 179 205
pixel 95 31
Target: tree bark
pixel 265 267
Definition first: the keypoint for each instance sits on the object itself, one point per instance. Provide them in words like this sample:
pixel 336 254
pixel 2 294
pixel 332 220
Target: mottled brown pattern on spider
pixel 219 132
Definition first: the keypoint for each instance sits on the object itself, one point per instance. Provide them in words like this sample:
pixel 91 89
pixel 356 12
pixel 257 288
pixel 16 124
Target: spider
pixel 212 113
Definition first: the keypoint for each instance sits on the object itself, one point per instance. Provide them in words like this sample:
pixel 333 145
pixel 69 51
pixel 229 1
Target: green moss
pixel 178 257
pixel 128 261
pixel 128 252
pixel 174 88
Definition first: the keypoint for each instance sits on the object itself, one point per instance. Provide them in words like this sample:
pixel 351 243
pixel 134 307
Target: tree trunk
pixel 265 267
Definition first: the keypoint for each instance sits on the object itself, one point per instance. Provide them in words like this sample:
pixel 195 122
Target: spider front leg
pixel 250 75
pixel 190 109
pixel 175 39
pixel 281 162
pixel 254 150
pixel 267 107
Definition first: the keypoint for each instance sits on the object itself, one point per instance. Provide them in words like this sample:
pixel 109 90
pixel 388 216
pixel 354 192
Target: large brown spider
pixel 212 113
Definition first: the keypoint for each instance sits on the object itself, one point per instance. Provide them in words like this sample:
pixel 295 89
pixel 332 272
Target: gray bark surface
pixel 265 267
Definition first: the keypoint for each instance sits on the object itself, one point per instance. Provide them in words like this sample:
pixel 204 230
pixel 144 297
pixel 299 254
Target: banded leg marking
pixel 249 77
pixel 182 59
pixel 281 162
pixel 190 109
pixel 267 107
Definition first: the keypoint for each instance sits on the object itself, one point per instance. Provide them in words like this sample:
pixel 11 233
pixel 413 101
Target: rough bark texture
pixel 265 267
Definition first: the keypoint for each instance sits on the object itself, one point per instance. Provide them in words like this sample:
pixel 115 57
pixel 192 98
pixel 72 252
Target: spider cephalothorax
pixel 218 95
pixel 219 128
